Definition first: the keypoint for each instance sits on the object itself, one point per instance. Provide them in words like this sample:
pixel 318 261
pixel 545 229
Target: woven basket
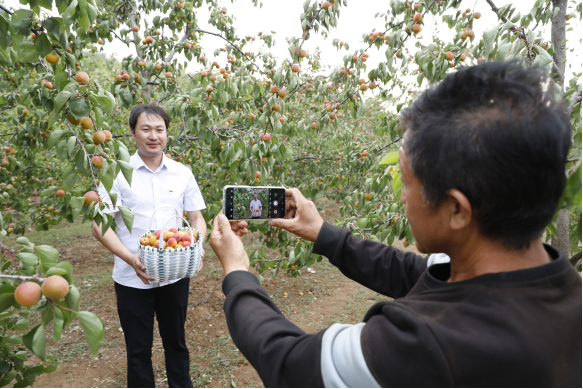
pixel 172 264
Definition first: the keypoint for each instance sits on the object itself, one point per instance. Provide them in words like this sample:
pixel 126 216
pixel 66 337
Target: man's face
pixel 150 135
pixel 430 227
pixel 254 197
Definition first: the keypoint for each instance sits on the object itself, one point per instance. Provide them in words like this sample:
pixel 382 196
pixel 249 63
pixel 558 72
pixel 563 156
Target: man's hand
pixel 139 267
pixel 226 242
pixel 301 216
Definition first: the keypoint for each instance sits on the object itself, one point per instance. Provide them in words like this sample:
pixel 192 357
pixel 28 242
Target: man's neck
pixel 485 256
pixel 152 162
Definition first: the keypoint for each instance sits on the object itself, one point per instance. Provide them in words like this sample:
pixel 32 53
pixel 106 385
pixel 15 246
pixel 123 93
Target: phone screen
pixel 252 202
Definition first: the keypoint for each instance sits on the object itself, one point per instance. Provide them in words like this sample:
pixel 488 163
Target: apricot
pixel 82 78
pixel 172 242
pixel 97 161
pixel 52 58
pixel 98 138
pixel 86 123
pixel 91 197
pixel 28 294
pixel 108 135
pixel 295 68
pixel 55 288
pixel 60 193
pixel 145 241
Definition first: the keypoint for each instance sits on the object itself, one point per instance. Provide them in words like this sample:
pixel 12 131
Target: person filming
pixel 483 167
pixel 157 181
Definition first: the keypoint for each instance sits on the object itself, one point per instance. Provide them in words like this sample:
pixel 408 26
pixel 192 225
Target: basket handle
pixel 160 207
pixel 189 227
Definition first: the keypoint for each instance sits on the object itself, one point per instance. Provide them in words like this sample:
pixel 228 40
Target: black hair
pixel 495 133
pixel 149 110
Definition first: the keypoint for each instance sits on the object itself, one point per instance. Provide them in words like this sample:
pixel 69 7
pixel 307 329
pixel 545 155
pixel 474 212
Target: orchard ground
pixel 215 361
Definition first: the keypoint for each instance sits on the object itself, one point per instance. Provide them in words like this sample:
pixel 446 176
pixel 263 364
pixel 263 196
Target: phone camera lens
pixel 275 202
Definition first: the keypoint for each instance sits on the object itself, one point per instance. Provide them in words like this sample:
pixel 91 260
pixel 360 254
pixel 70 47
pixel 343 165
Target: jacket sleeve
pixel 282 354
pixel 379 267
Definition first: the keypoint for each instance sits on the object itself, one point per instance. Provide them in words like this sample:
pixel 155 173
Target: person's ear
pixel 459 208
pixel 133 133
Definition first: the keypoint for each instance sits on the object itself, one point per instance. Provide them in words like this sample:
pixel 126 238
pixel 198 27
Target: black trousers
pixel 136 308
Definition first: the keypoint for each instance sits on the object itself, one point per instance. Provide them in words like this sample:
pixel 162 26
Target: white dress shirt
pixel 255 205
pixel 172 183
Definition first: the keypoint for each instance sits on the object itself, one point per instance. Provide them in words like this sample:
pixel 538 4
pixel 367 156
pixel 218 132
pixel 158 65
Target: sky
pixel 356 18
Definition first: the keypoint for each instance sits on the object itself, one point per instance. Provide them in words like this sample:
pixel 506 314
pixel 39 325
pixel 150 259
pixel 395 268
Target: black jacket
pixel 520 328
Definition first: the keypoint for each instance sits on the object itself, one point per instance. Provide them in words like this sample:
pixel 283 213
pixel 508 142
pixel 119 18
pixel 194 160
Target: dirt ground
pixel 215 360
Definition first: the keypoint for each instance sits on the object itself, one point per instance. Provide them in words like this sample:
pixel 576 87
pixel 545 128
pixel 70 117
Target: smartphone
pixel 253 202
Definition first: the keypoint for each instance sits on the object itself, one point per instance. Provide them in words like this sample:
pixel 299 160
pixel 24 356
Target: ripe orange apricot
pixel 28 294
pixel 82 78
pixel 98 138
pixel 55 288
pixel 52 58
pixel 90 197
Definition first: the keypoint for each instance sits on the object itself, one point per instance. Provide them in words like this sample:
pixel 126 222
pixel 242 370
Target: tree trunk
pixel 558 35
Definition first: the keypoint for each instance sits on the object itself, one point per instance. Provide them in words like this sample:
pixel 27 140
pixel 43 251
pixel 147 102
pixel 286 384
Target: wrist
pixel 230 269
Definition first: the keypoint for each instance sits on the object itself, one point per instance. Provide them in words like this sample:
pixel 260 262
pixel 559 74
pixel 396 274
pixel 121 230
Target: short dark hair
pixel 495 133
pixel 149 110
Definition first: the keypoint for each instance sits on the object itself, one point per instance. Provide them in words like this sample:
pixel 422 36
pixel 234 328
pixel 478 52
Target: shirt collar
pixel 139 162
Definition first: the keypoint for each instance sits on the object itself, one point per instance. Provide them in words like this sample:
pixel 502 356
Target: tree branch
pixel 6 10
pixel 575 258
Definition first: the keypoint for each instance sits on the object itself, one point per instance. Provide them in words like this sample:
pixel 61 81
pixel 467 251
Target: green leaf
pixel 124 154
pixel 23 240
pixel 390 159
pixel 28 260
pixel 80 108
pixel 71 142
pixel 22 21
pixel 6 300
pixel 70 11
pixel 76 204
pixel 127 216
pixel 53 25
pixel 93 329
pixel 362 222
pixel 127 171
pixel 47 256
pixel 36 341
pixel 22 324
pixel 69 177
pixel 27 52
pixel 60 100
pixel 58 324
pixel 489 39
pixel 22 355
pixel 397 183
pixel 42 45
pixel 73 298
pixel 55 271
pixel 55 135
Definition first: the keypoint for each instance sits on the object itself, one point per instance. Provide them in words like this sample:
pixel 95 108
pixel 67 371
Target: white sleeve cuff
pixel 342 361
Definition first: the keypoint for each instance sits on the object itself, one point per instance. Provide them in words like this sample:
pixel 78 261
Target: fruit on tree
pixel 267 137
pixel 52 58
pixel 98 138
pixel 60 193
pixel 326 5
pixel 82 78
pixel 276 107
pixel 74 121
pixel 168 75
pixel 417 17
pixel 477 15
pixel 368 196
pixel 97 161
pixel 257 174
pixel 449 55
pixel 281 93
pixel 295 68
pixel 125 76
pixel 302 53
pixel 108 135
pixel 28 294
pixel 416 28
pixel 90 197
pixel 55 288
pixel 314 126
pixel 86 123
pixel 273 89
pixel 462 57
pixel 48 85
pixel 135 28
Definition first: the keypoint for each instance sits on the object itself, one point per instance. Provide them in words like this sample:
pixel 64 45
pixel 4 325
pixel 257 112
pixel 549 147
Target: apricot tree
pixel 65 109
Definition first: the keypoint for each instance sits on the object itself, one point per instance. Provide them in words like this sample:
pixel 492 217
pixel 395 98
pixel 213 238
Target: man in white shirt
pixel 156 181
pixel 255 207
